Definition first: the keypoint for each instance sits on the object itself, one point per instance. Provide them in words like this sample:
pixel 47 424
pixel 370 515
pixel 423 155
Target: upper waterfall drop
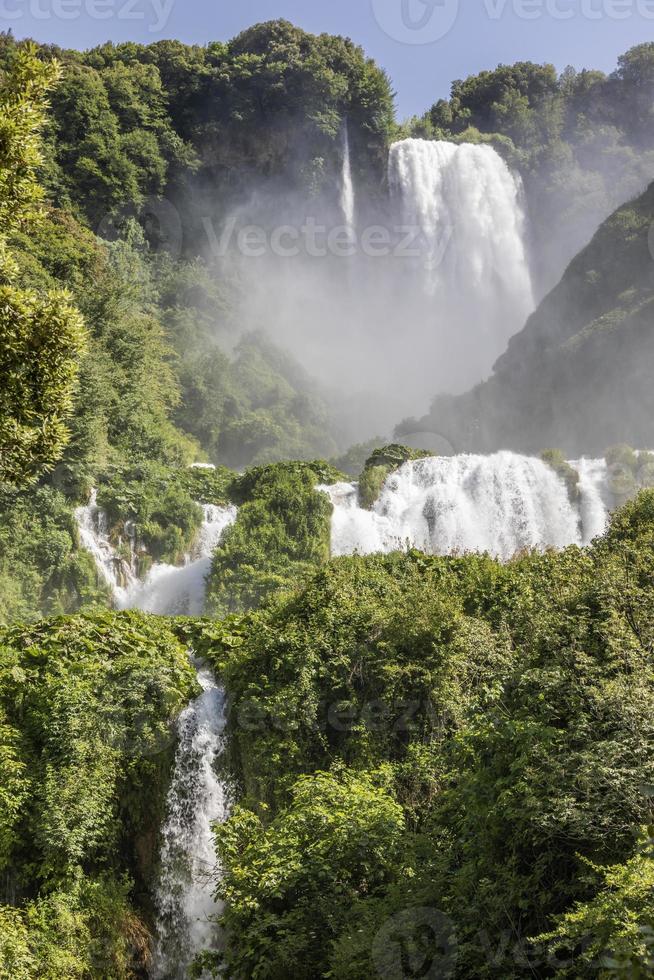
pixel 464 208
pixel 347 186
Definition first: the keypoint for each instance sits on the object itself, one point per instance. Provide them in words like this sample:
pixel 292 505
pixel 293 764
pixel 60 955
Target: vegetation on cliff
pixel 486 729
pixel 86 709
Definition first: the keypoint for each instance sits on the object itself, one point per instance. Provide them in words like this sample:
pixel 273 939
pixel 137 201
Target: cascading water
pixel 94 534
pixel 463 207
pixel 595 499
pixel 168 590
pixel 466 204
pixel 501 503
pixel 179 590
pixel 197 797
pixel 347 186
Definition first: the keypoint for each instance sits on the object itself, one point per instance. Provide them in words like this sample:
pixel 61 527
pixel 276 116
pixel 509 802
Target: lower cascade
pixel 502 504
pixel 197 797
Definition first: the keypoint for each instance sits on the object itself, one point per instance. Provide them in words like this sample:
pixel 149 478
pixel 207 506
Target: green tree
pixel 41 335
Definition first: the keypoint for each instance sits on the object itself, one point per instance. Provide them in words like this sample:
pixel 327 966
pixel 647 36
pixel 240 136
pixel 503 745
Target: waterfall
pixel 347 187
pixel 501 504
pixel 179 590
pixel 168 590
pixel 596 499
pixel 197 797
pixel 462 206
pixel 93 530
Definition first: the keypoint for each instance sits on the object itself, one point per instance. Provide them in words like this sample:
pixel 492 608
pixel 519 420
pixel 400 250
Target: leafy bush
pixel 612 934
pixel 87 930
pixel 339 839
pixel 43 570
pixel 41 333
pixel 282 532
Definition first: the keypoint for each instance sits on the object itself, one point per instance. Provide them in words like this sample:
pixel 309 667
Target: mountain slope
pixel 580 374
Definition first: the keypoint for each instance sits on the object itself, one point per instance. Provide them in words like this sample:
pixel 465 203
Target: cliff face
pixel 580 375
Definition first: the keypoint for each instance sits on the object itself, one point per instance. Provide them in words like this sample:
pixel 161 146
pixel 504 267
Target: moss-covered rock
pixel 379 465
pixel 555 459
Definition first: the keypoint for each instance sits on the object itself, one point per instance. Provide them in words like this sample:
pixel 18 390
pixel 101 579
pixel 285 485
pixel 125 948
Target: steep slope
pixel 580 374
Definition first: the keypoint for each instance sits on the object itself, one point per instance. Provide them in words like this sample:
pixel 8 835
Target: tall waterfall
pixel 347 186
pixel 462 206
pixel 443 505
pixel 197 797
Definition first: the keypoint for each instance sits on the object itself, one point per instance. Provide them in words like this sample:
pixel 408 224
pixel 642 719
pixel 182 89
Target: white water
pixel 168 590
pixel 347 186
pixel 466 206
pixel 197 797
pixel 501 504
pixel 179 590
pixel 596 500
pixel 422 293
pixel 94 535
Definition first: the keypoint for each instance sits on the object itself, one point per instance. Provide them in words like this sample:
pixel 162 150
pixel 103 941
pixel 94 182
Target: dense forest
pixel 438 765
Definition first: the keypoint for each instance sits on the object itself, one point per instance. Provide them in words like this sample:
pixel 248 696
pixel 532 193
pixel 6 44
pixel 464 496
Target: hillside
pixel 579 375
pixel 256 720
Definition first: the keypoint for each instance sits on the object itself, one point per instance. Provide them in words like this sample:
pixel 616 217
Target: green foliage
pixel 23 94
pixel 41 335
pixel 164 516
pixel 610 936
pixel 86 709
pixel 379 466
pixel 281 532
pixel 43 571
pixel 133 121
pixel 555 458
pixel 338 839
pixel 510 710
pixel 40 341
pixel 206 484
pixel 86 930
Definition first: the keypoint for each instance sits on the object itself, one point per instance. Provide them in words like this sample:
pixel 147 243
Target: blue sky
pixel 423 44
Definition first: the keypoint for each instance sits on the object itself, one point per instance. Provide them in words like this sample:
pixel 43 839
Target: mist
pixel 386 298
